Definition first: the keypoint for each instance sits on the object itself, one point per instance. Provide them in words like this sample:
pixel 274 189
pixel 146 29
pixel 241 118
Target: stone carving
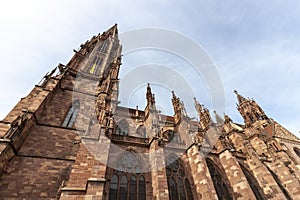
pixel 16 126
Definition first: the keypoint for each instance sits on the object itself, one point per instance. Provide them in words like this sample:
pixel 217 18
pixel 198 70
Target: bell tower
pixel 47 132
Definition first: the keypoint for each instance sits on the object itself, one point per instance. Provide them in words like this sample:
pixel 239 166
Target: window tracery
pixel 178 183
pixel 172 136
pixel 219 182
pixel 252 182
pixel 122 127
pixel 128 181
pixel 141 131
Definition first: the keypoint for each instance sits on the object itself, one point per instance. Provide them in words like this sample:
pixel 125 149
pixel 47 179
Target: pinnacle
pixel 240 97
pixel 218 118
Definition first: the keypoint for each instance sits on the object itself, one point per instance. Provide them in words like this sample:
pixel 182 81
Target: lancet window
pixel 71 115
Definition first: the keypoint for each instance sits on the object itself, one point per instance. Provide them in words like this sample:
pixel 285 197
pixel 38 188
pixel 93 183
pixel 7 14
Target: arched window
pixel 284 191
pixel 297 151
pixel 122 127
pixel 219 182
pixel 252 182
pixel 142 188
pixel 132 185
pixel 123 192
pixel 173 136
pixel 71 115
pixel 113 188
pixel 141 131
pixel 178 183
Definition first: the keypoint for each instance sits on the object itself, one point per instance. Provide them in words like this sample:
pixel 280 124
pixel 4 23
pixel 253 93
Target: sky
pixel 254 46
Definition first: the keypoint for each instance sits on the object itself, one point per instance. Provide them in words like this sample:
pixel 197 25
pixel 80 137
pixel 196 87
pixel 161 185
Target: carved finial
pixel 173 94
pixel 227 119
pixel 240 97
pixel 149 95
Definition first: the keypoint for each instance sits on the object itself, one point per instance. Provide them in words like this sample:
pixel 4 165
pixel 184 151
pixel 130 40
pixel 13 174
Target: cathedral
pixel 69 138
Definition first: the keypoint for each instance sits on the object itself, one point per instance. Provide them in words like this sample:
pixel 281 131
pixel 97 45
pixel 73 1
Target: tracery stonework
pixel 69 139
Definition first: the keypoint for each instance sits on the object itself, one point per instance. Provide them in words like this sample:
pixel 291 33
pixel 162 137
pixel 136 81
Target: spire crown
pixel 239 97
pixel 149 96
pixel 198 106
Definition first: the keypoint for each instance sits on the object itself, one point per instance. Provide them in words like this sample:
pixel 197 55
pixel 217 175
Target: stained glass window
pixel 297 151
pixel 282 188
pixel 132 185
pixel 113 189
pixel 141 131
pixel 178 183
pixel 219 182
pixel 252 182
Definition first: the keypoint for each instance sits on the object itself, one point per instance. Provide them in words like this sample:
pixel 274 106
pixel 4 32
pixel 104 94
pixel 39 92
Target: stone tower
pixel 70 139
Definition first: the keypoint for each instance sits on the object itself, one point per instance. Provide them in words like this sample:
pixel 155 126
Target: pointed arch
pixel 142 188
pixel 252 182
pixel 173 194
pixel 172 136
pixel 282 188
pixel 141 131
pixel 133 187
pixel 222 189
pixel 72 114
pixel 113 187
pixel 178 183
pixel 122 127
pixel 128 181
pixel 297 151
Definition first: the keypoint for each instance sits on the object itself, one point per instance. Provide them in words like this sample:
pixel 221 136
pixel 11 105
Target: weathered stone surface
pixel 41 158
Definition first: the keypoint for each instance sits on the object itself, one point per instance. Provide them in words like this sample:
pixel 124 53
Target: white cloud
pixel 254 43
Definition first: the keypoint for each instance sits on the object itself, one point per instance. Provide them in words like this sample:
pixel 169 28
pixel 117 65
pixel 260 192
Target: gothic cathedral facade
pixel 70 139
